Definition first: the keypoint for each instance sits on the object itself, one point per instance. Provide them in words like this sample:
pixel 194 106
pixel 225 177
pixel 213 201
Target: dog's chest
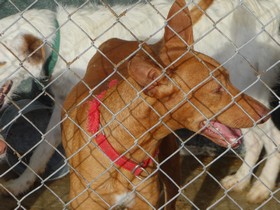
pixel 124 200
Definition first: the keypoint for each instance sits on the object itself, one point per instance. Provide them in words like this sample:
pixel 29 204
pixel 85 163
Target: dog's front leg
pixel 253 147
pixel 266 181
pixel 170 173
pixel 39 158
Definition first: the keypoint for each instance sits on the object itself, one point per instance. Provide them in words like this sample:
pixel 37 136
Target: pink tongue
pixel 228 133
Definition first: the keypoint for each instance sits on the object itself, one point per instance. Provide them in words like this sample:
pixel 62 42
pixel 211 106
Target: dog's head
pixel 195 88
pixel 21 57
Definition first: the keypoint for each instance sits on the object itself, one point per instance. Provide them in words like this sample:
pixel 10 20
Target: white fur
pixel 250 70
pixel 125 199
pixel 217 40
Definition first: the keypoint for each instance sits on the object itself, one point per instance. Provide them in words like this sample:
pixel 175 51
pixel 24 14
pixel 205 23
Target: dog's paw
pixel 258 193
pixel 235 182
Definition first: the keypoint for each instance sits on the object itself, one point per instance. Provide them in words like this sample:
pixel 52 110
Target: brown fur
pixel 2 63
pixel 198 11
pixel 34 48
pixel 92 175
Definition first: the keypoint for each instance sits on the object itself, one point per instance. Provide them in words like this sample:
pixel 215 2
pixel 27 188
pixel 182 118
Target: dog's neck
pixel 128 119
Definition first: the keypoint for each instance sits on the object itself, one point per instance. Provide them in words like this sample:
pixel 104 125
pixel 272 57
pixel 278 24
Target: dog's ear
pixel 178 34
pixel 33 47
pixel 150 77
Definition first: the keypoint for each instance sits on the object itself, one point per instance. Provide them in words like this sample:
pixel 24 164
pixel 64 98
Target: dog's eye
pixel 2 63
pixel 218 90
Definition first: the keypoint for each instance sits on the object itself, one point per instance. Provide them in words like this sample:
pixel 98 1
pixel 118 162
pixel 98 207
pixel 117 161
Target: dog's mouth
pixel 4 90
pixel 221 134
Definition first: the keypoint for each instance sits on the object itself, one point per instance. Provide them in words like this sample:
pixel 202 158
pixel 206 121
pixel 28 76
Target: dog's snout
pixel 264 119
pixel 261 111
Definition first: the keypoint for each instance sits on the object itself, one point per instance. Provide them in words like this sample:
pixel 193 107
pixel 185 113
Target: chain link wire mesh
pixel 243 36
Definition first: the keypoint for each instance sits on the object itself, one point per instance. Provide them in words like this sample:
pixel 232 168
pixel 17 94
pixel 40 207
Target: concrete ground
pixel 200 188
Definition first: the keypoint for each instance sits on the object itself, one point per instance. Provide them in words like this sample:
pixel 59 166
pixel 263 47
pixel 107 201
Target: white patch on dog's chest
pixel 125 199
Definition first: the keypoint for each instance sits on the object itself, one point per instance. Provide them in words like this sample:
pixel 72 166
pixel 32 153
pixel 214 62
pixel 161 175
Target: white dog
pixel 27 42
pixel 246 41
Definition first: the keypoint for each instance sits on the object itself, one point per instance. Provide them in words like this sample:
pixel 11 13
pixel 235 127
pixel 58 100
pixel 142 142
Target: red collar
pixel 121 160
pixel 104 144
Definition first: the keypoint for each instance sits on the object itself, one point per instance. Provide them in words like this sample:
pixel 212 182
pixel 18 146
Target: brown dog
pixel 111 139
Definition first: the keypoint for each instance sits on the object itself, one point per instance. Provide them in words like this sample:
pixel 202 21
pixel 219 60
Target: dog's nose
pixel 259 112
pixel 264 119
pixel 262 111
pixel 3 147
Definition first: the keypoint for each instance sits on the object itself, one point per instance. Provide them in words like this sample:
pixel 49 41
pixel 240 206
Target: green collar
pixel 26 89
pixel 52 59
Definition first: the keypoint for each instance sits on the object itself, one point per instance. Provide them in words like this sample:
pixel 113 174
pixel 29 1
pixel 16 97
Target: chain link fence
pixel 45 47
